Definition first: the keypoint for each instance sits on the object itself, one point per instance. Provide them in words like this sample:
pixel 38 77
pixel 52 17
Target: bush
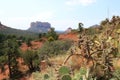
pixel 83 71
pixel 46 76
pixel 32 60
pixel 64 70
pixel 54 48
pixel 66 77
pixel 50 39
pixel 116 74
pixel 52 34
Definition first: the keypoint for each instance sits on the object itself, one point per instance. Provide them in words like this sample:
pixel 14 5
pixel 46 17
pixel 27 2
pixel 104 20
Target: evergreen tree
pixel 12 52
pixel 80 26
pixel 52 33
pixel 31 59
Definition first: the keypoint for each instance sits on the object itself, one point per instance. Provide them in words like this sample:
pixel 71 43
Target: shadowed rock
pixel 39 27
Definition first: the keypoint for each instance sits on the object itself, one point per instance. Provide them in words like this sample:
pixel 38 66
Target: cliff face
pixel 39 27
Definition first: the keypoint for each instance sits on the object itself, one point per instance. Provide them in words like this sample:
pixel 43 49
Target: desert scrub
pixel 116 74
pixel 55 48
pixel 79 74
pixel 46 75
pixel 64 70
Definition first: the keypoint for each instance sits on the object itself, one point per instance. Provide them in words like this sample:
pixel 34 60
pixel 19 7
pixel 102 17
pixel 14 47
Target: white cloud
pixel 80 2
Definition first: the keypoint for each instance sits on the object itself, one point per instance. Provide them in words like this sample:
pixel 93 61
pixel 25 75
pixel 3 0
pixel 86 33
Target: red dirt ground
pixel 71 36
pixel 35 45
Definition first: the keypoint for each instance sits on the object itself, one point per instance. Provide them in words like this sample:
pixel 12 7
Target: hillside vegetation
pixel 11 31
pixel 83 54
pixel 94 56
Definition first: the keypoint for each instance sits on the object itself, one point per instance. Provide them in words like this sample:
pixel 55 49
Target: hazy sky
pixel 60 13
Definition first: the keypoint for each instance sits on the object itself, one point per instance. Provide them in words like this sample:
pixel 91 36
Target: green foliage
pixel 83 71
pixel 28 42
pixel 79 74
pixel 40 35
pixel 50 39
pixel 55 48
pixel 32 60
pixel 3 61
pixel 2 37
pixel 66 77
pixel 52 34
pixel 46 76
pixel 80 27
pixel 11 53
pixel 116 74
pixel 49 74
pixel 64 70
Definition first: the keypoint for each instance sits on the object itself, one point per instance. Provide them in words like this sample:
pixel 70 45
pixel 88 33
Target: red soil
pixel 35 45
pixel 70 36
pixel 4 74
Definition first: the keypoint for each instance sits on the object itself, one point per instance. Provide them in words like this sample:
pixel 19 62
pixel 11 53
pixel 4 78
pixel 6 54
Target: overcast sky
pixel 60 13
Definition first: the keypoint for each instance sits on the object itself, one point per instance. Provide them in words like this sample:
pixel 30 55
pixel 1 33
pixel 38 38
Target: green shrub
pixel 83 71
pixel 116 74
pixel 64 70
pixel 52 34
pixel 46 76
pixel 31 59
pixel 50 39
pixel 66 77
pixel 55 48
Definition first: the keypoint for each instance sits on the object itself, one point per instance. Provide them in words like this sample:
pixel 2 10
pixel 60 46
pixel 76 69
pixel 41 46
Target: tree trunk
pixel 67 58
pixel 31 67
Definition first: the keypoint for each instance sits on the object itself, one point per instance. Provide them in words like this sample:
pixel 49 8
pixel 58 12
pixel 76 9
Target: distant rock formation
pixel 68 30
pixel 39 27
